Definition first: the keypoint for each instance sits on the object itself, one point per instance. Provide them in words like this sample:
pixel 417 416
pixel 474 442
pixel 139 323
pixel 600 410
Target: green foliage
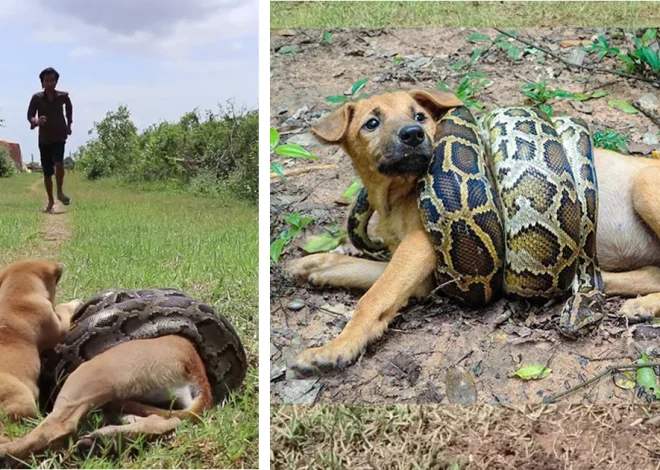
pixel 467 89
pixel 285 150
pixel 7 167
pixel 611 140
pixel 216 149
pixel 602 46
pixel 642 57
pixel 539 94
pixel 502 41
pixel 296 225
pixel 355 88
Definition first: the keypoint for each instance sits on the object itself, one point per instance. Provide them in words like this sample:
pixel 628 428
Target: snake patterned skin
pixel 115 316
pixel 510 204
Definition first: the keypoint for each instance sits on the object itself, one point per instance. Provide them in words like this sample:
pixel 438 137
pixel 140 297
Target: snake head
pixel 581 314
pixel 391 133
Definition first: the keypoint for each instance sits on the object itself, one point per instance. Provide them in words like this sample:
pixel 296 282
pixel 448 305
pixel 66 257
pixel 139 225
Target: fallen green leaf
pixel 352 190
pixel 532 372
pixel 276 248
pixel 337 99
pixel 623 106
pixel 646 377
pixel 328 37
pixel 357 86
pixel 274 138
pixel 276 167
pixel 476 37
pixel 324 242
pixel 294 151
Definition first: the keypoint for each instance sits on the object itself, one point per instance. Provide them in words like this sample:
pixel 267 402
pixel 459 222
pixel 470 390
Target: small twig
pixel 646 113
pixel 584 67
pixel 552 399
pixel 465 357
pixel 547 363
pixel 303 170
pixel 655 452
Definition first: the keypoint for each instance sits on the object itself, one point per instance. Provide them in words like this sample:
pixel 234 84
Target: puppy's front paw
pixel 314 361
pixel 640 309
pixel 312 268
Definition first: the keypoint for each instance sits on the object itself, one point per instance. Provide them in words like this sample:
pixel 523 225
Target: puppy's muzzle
pixel 412 136
pixel 409 153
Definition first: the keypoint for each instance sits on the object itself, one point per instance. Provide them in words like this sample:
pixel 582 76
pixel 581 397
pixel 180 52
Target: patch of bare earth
pixel 465 437
pixel 55 230
pixel 410 363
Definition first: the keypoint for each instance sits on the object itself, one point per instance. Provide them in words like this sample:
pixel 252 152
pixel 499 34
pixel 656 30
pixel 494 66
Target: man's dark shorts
pixel 51 154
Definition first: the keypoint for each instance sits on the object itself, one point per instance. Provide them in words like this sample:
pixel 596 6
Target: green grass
pixel 207 247
pixel 463 14
pixel 20 220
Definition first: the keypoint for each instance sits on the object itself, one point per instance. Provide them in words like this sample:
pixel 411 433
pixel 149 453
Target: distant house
pixel 14 151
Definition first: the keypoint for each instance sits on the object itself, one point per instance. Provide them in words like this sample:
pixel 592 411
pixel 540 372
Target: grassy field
pixel 460 437
pixel 120 237
pixel 543 14
pixel 20 220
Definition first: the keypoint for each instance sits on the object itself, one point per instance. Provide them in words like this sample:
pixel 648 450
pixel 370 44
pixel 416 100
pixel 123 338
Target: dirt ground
pixel 410 364
pixel 465 437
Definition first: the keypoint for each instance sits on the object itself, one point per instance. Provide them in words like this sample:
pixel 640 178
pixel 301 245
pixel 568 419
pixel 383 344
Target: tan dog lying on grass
pixel 371 132
pixel 29 324
pixel 151 360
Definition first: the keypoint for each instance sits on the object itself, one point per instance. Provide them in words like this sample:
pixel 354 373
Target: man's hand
pixel 41 121
pixel 68 129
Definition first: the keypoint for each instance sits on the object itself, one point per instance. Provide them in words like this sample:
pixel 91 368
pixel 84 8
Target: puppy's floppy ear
pixel 436 101
pixel 331 129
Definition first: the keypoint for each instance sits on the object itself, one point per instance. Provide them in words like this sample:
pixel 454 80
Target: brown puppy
pixel 29 324
pixel 124 377
pixel 390 144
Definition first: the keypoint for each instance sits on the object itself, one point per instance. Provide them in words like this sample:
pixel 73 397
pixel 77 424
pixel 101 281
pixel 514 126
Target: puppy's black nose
pixel 412 135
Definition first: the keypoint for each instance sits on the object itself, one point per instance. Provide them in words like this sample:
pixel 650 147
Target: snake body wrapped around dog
pixel 115 316
pixel 510 204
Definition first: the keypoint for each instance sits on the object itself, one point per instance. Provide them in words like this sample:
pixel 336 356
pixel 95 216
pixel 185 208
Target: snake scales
pixel 116 316
pixel 510 204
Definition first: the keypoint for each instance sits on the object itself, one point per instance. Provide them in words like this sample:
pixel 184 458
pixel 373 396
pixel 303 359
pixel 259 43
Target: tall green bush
pixel 209 152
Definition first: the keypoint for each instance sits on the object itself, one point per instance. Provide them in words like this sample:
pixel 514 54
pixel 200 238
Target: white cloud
pixel 164 27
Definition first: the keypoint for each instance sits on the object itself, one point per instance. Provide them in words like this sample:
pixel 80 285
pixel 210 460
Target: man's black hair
pixel 48 71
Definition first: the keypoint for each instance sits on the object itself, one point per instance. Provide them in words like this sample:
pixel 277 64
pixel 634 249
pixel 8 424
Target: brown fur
pixel 29 324
pixel 122 378
pixel 628 227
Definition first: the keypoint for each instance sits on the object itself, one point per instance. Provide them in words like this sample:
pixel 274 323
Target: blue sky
pixel 161 58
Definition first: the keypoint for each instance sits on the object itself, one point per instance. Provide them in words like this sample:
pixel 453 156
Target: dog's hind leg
pixel 135 427
pixel 412 264
pixel 127 371
pixel 331 269
pixel 645 281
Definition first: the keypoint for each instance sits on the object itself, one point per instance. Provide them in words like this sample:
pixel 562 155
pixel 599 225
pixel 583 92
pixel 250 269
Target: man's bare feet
pixel 49 207
pixel 64 199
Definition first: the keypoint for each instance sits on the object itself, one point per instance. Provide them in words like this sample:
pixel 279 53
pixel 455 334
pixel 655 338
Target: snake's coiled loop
pixel 510 203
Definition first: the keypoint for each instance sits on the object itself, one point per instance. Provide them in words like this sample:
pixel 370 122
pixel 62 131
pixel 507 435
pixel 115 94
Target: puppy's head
pixel 391 133
pixel 47 272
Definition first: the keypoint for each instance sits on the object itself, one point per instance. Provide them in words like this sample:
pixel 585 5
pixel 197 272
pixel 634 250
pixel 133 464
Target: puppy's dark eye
pixel 372 124
pixel 420 117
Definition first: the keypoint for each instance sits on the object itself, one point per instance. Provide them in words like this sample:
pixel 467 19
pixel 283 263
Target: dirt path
pixel 54 232
pixel 410 363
